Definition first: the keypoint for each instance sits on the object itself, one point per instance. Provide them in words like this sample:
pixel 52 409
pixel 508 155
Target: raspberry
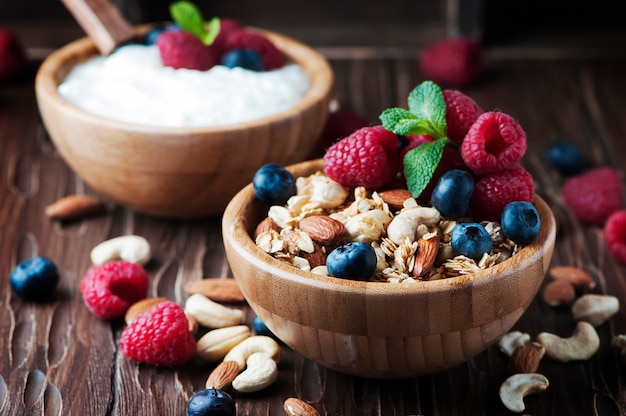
pixel 492 193
pixel 452 61
pixel 272 57
pixel 594 195
pixel 159 337
pixel 181 49
pixel 615 235
pixel 227 26
pixel 368 157
pixel 494 143
pixel 461 113
pixel 109 289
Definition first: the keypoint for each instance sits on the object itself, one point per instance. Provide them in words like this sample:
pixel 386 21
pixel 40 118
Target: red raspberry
pixel 494 143
pixel 12 55
pixel 461 113
pixel 159 337
pixel 181 49
pixel 369 157
pixel 594 195
pixel 339 124
pixel 109 289
pixel 452 62
pixel 492 193
pixel 615 235
pixel 227 26
pixel 271 56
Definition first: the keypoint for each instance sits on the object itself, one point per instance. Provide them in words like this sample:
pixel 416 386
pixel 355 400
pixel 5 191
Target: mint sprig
pixel 426 116
pixel 190 18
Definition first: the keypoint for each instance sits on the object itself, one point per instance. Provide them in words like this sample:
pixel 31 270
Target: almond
pixel 559 293
pixel 217 289
pixel 140 307
pixel 297 407
pixel 317 258
pixel 322 229
pixel 525 359
pixel 267 224
pixel 582 281
pixel 426 254
pixel 395 198
pixel 74 207
pixel 222 375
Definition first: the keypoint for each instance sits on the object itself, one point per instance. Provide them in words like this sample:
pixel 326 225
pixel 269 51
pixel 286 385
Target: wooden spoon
pixel 103 22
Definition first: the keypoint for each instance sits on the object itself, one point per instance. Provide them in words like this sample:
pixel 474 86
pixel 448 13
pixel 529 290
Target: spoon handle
pixel 103 22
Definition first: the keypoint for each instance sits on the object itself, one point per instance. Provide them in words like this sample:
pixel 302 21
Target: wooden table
pixel 56 358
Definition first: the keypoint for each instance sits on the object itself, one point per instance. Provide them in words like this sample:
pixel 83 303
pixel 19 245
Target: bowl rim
pixel 312 61
pixel 236 235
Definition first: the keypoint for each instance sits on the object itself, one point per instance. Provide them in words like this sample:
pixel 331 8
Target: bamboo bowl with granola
pixel 381 329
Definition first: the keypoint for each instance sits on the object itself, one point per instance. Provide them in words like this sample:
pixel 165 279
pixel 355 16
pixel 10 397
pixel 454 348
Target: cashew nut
pixel 518 386
pixel 215 344
pixel 406 222
pixel 132 248
pixel 595 309
pixel 249 346
pixel 582 345
pixel 211 314
pixel 512 340
pixel 367 226
pixel 261 371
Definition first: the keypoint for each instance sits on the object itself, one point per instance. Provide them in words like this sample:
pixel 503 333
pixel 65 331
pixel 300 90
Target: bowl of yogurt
pixel 179 143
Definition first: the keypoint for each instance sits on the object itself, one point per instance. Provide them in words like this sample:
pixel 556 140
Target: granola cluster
pixel 412 242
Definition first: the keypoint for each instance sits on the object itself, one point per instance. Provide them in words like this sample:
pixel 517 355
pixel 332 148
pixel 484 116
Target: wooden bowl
pixel 382 330
pixel 179 172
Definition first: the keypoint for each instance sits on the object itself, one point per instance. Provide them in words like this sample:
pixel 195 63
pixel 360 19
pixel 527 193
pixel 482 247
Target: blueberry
pixel 451 195
pixel 470 240
pixel 520 222
pixel 260 328
pixel 566 158
pixel 243 58
pixel 211 402
pixel 274 184
pixel 35 279
pixel 352 261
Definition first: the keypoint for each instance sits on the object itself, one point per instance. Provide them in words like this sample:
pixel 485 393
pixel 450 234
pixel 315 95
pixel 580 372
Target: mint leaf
pixel 420 164
pixel 427 103
pixel 189 17
pixel 214 30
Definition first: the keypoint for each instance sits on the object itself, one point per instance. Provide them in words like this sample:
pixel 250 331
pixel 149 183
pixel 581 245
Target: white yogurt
pixel 132 85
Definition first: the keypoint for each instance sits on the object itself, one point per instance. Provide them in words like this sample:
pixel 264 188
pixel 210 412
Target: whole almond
pixel 322 229
pixel 580 279
pixel 141 306
pixel 267 224
pixel 395 198
pixel 525 359
pixel 217 289
pixel 297 407
pixel 74 207
pixel 222 375
pixel 559 293
pixel 426 254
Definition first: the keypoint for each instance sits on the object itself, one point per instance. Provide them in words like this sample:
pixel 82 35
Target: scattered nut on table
pixel 261 371
pixel 256 343
pixel 526 358
pixel 512 340
pixel 518 386
pixel 297 407
pixel 132 248
pixel 215 344
pixel 211 314
pixel 581 345
pixel 595 309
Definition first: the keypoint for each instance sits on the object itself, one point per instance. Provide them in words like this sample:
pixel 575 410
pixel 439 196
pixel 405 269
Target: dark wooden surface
pixel 58 359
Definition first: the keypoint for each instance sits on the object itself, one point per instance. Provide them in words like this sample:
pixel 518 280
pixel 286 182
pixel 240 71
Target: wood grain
pixel 57 359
